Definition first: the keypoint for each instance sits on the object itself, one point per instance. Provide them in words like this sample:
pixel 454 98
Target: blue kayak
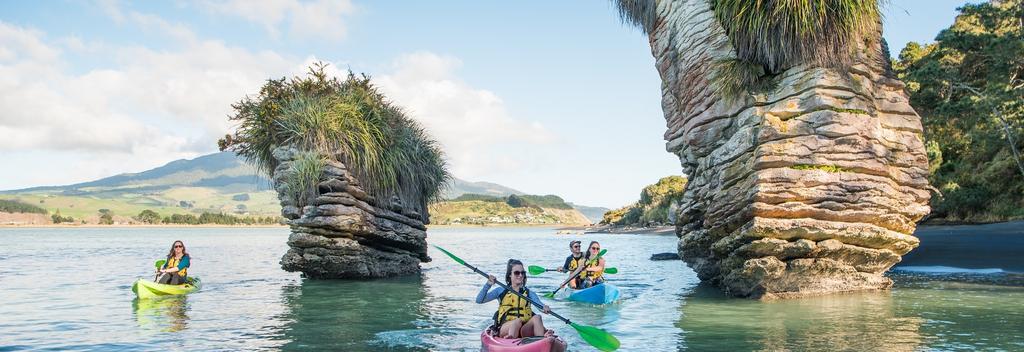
pixel 600 294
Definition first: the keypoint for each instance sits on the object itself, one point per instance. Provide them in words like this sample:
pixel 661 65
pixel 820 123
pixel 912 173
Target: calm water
pixel 69 289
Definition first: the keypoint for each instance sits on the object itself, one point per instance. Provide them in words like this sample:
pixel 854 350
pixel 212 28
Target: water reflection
pixel 856 322
pixel 167 314
pixel 343 315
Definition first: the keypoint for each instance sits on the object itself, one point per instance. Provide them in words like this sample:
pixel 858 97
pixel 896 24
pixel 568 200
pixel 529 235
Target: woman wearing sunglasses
pixel 514 318
pixel 594 273
pixel 175 270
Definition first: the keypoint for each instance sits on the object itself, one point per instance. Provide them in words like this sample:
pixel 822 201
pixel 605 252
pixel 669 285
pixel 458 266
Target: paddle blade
pixel 456 259
pixel 549 295
pixel 536 270
pixel 611 270
pixel 159 263
pixel 598 338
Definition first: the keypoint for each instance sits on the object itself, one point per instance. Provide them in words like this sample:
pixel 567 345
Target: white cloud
pixel 471 123
pixel 151 107
pixel 322 18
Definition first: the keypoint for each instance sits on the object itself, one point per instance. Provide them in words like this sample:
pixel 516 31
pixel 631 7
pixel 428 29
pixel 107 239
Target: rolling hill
pixel 218 183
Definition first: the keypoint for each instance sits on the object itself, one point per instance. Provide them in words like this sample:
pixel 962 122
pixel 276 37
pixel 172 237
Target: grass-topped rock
pixel 806 164
pixel 353 173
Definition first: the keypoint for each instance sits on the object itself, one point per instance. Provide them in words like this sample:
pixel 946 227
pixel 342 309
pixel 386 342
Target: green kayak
pixel 148 289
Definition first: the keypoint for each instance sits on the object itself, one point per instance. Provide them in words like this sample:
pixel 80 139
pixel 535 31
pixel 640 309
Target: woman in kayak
pixel 514 318
pixel 593 274
pixel 573 262
pixel 175 269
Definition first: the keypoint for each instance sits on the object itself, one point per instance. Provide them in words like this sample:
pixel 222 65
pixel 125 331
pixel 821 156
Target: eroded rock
pixel 342 234
pixel 812 188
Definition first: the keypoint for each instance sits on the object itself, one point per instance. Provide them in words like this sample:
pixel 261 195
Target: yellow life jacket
pixel 512 306
pixel 575 263
pixel 593 275
pixel 172 262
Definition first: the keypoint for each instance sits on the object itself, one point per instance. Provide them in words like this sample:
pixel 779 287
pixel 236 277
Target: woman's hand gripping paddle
pixel 598 338
pixel 577 273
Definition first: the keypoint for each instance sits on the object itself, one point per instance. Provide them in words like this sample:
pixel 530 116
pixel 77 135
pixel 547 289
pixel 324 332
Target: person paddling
pixel 175 269
pixel 573 262
pixel 514 318
pixel 593 274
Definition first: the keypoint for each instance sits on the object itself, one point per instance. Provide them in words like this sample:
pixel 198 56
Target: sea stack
pixel 809 185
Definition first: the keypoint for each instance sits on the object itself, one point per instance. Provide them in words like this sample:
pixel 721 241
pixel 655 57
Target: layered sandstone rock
pixel 812 188
pixel 344 232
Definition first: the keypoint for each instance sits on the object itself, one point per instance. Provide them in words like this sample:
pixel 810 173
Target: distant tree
pixel 515 201
pixel 240 197
pixel 241 208
pixel 148 217
pixel 106 218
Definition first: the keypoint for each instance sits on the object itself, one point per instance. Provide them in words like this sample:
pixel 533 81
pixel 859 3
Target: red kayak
pixel 492 343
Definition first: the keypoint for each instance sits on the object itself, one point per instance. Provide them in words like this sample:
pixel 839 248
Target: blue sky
pixel 549 97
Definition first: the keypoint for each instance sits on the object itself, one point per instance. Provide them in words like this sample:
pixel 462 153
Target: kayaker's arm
pixel 533 297
pixel 599 267
pixel 484 296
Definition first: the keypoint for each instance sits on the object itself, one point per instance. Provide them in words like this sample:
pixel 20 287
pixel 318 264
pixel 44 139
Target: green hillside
pixel 222 183
pixel 654 205
pixel 480 209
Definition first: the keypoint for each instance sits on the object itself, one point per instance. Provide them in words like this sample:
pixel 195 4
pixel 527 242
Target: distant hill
pixel 480 209
pixel 219 182
pixel 593 213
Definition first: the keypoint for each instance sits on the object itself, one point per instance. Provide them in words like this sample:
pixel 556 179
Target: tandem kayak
pixel 491 343
pixel 148 289
pixel 603 293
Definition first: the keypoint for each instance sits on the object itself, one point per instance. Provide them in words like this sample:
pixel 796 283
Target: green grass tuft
pixel 734 78
pixel 781 34
pixel 826 168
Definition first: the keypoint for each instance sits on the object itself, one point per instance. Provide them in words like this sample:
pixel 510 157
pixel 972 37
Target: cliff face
pixel 344 232
pixel 811 188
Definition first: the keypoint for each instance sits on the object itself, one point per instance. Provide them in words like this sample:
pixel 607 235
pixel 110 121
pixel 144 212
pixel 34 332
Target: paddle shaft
pixel 578 272
pixel 509 289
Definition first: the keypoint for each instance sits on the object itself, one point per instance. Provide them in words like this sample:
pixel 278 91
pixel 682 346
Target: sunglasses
pixel 178 246
pixel 517 273
pixel 595 248
pixel 576 246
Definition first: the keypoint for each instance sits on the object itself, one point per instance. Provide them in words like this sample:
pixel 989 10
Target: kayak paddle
pixel 159 264
pixel 598 338
pixel 578 272
pixel 536 270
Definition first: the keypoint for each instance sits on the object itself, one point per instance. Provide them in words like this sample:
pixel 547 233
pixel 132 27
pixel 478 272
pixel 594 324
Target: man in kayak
pixel 593 274
pixel 175 269
pixel 572 262
pixel 514 318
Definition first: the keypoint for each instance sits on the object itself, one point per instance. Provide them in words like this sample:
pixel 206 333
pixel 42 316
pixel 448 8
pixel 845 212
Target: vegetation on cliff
pixel 654 204
pixel 968 87
pixel 348 120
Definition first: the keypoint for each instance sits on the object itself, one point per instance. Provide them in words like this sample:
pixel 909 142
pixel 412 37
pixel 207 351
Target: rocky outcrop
pixel 811 188
pixel 344 232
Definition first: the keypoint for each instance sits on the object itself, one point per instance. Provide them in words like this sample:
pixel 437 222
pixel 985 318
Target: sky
pixel 547 97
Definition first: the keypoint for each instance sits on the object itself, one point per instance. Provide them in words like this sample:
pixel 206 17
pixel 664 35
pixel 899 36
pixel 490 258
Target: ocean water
pixel 70 289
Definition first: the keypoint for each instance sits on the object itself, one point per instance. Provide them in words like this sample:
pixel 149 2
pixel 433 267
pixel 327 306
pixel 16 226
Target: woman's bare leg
pixel 510 329
pixel 534 327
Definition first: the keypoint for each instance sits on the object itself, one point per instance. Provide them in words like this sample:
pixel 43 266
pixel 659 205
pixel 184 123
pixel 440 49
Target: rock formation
pixel 811 188
pixel 344 232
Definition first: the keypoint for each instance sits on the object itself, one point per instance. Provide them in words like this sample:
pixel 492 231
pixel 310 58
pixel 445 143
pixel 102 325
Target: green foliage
pixel 219 219
pixel 548 201
pixel 481 197
pixel 639 13
pixel 734 78
pixel 826 168
pixel 349 120
pixel 515 201
pixel 106 217
pixel 304 173
pixel 57 218
pixel 781 34
pixel 968 87
pixel 653 206
pixel 240 197
pixel 15 206
pixel 148 217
